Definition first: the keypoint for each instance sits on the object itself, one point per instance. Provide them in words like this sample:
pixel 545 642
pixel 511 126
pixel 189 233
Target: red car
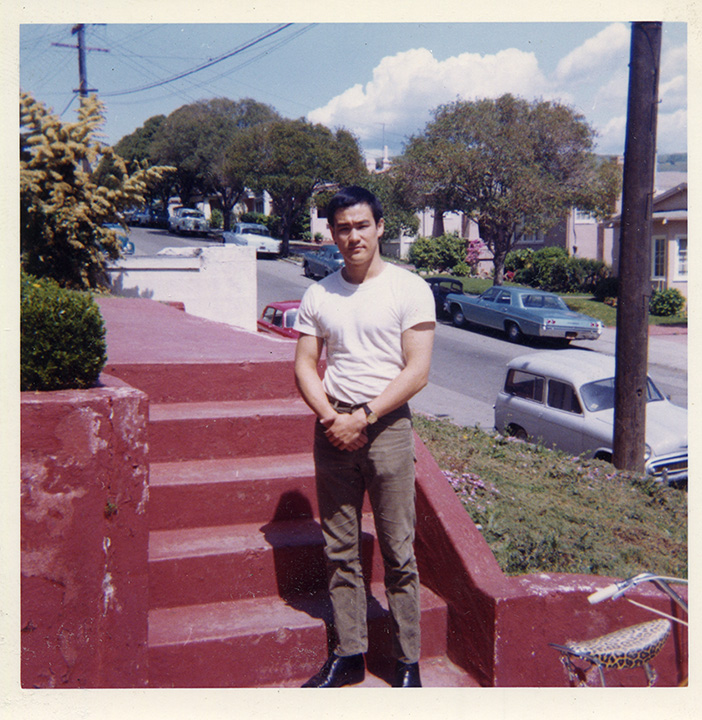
pixel 279 317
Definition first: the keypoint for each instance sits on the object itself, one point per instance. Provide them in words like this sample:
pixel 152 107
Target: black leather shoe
pixel 339 671
pixel 407 675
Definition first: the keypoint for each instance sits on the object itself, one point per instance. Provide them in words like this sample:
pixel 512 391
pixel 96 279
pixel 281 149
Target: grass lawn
pixel 545 511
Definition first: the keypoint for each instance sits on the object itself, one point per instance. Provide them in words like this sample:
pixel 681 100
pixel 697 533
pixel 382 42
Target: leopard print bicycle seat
pixel 629 647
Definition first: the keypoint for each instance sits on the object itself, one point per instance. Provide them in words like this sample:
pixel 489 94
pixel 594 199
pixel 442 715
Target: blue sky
pixel 379 80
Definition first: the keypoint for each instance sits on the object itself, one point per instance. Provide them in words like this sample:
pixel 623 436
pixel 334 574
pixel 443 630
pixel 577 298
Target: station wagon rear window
pixel 525 385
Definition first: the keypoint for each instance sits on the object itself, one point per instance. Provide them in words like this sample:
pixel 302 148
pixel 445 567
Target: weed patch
pixel 542 510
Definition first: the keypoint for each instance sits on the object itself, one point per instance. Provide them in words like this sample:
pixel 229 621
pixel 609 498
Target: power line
pixel 204 66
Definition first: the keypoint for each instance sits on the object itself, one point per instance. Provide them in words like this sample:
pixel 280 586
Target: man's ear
pixel 381 227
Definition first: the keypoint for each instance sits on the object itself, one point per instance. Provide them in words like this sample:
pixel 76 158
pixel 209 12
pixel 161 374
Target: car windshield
pixel 290 316
pixel 255 230
pixel 551 302
pixel 599 395
pixel 192 213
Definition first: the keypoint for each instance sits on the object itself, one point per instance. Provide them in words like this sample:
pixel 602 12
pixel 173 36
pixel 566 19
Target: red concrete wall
pixel 84 539
pixel 500 627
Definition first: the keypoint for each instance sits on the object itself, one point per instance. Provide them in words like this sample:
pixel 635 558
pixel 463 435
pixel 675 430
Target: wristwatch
pixel 371 417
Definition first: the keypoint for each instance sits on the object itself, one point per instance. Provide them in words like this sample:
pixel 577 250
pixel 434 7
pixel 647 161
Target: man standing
pixel 377 322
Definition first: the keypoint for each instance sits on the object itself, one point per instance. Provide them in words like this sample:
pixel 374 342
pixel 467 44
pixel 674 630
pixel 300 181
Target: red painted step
pixel 210 564
pixel 198 431
pixel 434 671
pixel 208 381
pixel 256 642
pixel 222 491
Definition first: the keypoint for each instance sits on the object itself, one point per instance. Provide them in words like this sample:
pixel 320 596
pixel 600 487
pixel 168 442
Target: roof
pixel 575 366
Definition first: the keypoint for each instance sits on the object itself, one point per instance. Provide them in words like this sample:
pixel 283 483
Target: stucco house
pixel 669 260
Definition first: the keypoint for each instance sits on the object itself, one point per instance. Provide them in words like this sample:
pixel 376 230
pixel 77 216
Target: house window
pixel 658 258
pixel 681 262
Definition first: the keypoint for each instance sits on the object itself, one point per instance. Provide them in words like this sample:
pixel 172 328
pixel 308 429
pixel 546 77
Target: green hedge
pixel 665 303
pixel 62 337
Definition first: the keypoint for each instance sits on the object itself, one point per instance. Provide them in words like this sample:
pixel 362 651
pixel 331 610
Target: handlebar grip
pixel 603 594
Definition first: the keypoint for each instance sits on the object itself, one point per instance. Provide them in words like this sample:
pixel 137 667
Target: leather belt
pixel 341 405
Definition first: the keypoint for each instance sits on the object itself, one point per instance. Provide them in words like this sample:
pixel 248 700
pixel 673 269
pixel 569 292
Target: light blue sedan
pixel 522 312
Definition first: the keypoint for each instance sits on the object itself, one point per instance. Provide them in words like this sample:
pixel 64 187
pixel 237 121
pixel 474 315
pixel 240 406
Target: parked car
pixel 520 311
pixel 158 218
pixel 259 236
pixel 123 235
pixel 279 317
pixel 188 220
pixel 441 287
pixel 565 399
pixel 322 262
pixel 141 217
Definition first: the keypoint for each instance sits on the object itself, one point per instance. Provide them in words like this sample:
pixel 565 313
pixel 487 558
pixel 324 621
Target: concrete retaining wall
pixel 84 536
pixel 216 283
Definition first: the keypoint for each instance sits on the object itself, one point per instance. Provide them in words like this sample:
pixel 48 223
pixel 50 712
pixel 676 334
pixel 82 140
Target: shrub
pixel 62 337
pixel 438 253
pixel 605 288
pixel 665 303
pixel 216 218
pixel 553 270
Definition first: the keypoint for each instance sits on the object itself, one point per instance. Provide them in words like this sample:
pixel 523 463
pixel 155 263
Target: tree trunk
pixel 438 227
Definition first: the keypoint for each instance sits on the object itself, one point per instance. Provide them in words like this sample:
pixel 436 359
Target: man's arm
pixel 417 345
pixel 340 432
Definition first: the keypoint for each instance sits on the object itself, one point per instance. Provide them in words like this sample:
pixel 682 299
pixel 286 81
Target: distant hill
pixel 676 162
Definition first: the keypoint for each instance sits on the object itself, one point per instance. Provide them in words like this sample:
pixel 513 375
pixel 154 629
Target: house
pixel 669 259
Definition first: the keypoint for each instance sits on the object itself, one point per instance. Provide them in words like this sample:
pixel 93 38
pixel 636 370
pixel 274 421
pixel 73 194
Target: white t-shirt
pixel 362 327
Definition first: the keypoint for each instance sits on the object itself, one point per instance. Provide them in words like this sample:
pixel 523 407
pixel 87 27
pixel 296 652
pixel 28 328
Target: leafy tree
pixel 136 149
pixel 209 145
pixel 63 209
pixel 294 159
pixel 514 167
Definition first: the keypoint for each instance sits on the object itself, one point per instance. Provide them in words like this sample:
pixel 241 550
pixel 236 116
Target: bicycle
pixel 629 647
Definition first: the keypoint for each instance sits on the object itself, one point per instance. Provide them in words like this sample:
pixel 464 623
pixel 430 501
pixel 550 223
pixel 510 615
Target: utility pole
pixel 630 387
pixel 83 89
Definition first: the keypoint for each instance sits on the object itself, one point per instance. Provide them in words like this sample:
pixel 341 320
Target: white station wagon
pixel 565 399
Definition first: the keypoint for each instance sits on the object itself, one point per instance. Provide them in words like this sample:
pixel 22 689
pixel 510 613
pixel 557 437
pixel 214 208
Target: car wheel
pixel 306 270
pixel 457 317
pixel 514 334
pixel 517 432
pixel 603 455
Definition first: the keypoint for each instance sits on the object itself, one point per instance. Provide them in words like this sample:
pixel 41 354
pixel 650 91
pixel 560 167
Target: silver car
pixel 253 234
pixel 189 221
pixel 565 399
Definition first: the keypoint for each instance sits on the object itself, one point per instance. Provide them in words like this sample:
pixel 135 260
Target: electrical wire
pixel 204 66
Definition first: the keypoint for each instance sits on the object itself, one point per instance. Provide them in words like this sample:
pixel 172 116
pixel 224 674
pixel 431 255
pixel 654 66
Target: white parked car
pixel 188 220
pixel 259 236
pixel 565 399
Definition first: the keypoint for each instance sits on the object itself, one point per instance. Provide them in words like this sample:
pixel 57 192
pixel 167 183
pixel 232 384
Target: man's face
pixel 356 233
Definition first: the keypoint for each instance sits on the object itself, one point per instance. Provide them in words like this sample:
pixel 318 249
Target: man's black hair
pixel 354 195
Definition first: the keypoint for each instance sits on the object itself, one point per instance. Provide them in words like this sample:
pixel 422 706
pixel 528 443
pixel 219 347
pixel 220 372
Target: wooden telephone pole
pixel 83 88
pixel 630 388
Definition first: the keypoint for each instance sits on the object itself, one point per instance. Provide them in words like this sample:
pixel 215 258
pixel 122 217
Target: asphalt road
pixel 468 364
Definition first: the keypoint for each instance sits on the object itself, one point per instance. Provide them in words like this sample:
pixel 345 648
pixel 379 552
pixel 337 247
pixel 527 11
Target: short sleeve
pixel 306 322
pixel 419 306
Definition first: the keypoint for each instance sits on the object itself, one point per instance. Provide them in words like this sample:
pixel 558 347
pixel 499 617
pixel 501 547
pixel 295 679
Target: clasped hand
pixel 346 431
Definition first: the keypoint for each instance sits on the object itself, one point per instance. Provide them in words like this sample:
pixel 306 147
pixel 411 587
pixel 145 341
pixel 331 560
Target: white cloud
pixel 595 54
pixel 407 86
pixel 671 135
pixel 610 137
